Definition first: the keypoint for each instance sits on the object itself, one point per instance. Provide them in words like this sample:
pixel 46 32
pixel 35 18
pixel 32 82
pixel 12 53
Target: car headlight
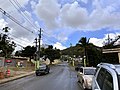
pixel 89 82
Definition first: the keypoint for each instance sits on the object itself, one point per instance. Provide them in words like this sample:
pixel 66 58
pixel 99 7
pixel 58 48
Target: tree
pixel 28 51
pixel 93 53
pixel 110 43
pixel 84 43
pixel 6 45
pixel 52 54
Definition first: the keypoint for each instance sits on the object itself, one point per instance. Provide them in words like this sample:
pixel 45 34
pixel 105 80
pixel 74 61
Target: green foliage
pixel 74 50
pixel 52 54
pixel 83 47
pixel 28 51
pixel 6 45
pixel 49 52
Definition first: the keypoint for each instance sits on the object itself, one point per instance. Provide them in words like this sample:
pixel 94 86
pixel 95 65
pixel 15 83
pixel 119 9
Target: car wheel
pixel 36 74
pixel 48 71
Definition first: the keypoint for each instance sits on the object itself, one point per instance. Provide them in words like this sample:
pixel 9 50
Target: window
pixel 108 82
pixel 89 71
pixel 96 70
pixel 101 77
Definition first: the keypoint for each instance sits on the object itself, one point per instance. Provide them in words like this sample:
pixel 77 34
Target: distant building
pixel 113 55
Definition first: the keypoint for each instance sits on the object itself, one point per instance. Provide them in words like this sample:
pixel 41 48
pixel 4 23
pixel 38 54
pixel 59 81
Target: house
pixel 18 61
pixel 113 53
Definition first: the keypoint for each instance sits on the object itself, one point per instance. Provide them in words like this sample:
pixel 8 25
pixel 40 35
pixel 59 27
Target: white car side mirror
pixel 81 73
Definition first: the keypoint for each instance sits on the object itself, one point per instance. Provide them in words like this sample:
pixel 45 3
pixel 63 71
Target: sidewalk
pixel 15 77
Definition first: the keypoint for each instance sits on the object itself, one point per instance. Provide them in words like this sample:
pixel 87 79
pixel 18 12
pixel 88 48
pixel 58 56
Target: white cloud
pixel 85 1
pixel 96 41
pixel 61 37
pixel 2 23
pixel 20 33
pixel 59 46
pixel 72 15
pixel 48 11
pixel 23 2
pixel 33 4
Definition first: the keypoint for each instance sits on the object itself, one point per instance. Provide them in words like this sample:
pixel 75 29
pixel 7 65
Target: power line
pixel 23 14
pixel 48 39
pixel 19 38
pixel 16 42
pixel 14 36
pixel 13 19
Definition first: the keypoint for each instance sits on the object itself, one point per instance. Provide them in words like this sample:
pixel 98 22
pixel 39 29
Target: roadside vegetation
pixel 82 49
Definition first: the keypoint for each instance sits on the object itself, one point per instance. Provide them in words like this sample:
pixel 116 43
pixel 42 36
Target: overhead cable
pixel 25 16
pixel 13 19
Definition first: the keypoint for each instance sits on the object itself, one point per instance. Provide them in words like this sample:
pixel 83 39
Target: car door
pixel 98 79
pixel 108 82
pixel 80 74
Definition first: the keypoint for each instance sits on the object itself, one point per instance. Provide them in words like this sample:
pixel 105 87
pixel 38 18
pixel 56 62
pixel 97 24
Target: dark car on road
pixel 43 69
pixel 77 67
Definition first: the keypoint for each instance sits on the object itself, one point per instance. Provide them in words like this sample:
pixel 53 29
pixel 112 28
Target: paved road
pixel 61 77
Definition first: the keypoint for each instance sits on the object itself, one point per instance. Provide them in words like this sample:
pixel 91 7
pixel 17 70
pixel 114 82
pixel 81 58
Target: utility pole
pixel 36 54
pixel 36 48
pixel 39 47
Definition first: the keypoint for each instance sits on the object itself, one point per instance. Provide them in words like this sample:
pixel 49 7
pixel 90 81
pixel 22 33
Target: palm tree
pixel 84 43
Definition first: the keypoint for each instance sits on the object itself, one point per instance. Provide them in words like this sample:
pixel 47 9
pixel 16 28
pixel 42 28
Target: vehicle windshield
pixel 42 66
pixel 79 65
pixel 89 71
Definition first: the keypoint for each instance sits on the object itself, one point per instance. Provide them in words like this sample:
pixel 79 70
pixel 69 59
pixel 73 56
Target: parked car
pixel 85 76
pixel 77 67
pixel 43 69
pixel 107 77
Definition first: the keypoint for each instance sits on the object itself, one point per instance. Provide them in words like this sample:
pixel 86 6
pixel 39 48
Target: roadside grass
pixel 14 71
pixel 22 68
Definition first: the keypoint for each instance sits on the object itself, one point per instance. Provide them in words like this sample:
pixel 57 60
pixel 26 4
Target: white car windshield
pixel 89 71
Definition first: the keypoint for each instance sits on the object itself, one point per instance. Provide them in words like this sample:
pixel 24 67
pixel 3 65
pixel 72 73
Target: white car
pixel 85 76
pixel 107 77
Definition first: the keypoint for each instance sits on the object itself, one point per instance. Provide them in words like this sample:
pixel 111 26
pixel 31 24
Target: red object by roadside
pixel 8 61
pixel 8 72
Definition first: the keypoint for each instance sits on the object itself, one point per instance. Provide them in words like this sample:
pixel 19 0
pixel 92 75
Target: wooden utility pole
pixel 39 47
pixel 36 54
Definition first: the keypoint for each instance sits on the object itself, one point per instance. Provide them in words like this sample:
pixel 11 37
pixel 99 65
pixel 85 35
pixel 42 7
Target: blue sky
pixel 62 21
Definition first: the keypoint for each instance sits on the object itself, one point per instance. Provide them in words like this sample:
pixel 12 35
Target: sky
pixel 63 22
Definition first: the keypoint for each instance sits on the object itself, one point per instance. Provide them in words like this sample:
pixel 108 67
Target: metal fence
pixel 2 61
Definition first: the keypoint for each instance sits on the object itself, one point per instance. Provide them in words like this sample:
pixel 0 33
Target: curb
pixel 16 77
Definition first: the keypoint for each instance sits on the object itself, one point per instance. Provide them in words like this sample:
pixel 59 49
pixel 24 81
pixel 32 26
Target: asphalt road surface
pixel 61 77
